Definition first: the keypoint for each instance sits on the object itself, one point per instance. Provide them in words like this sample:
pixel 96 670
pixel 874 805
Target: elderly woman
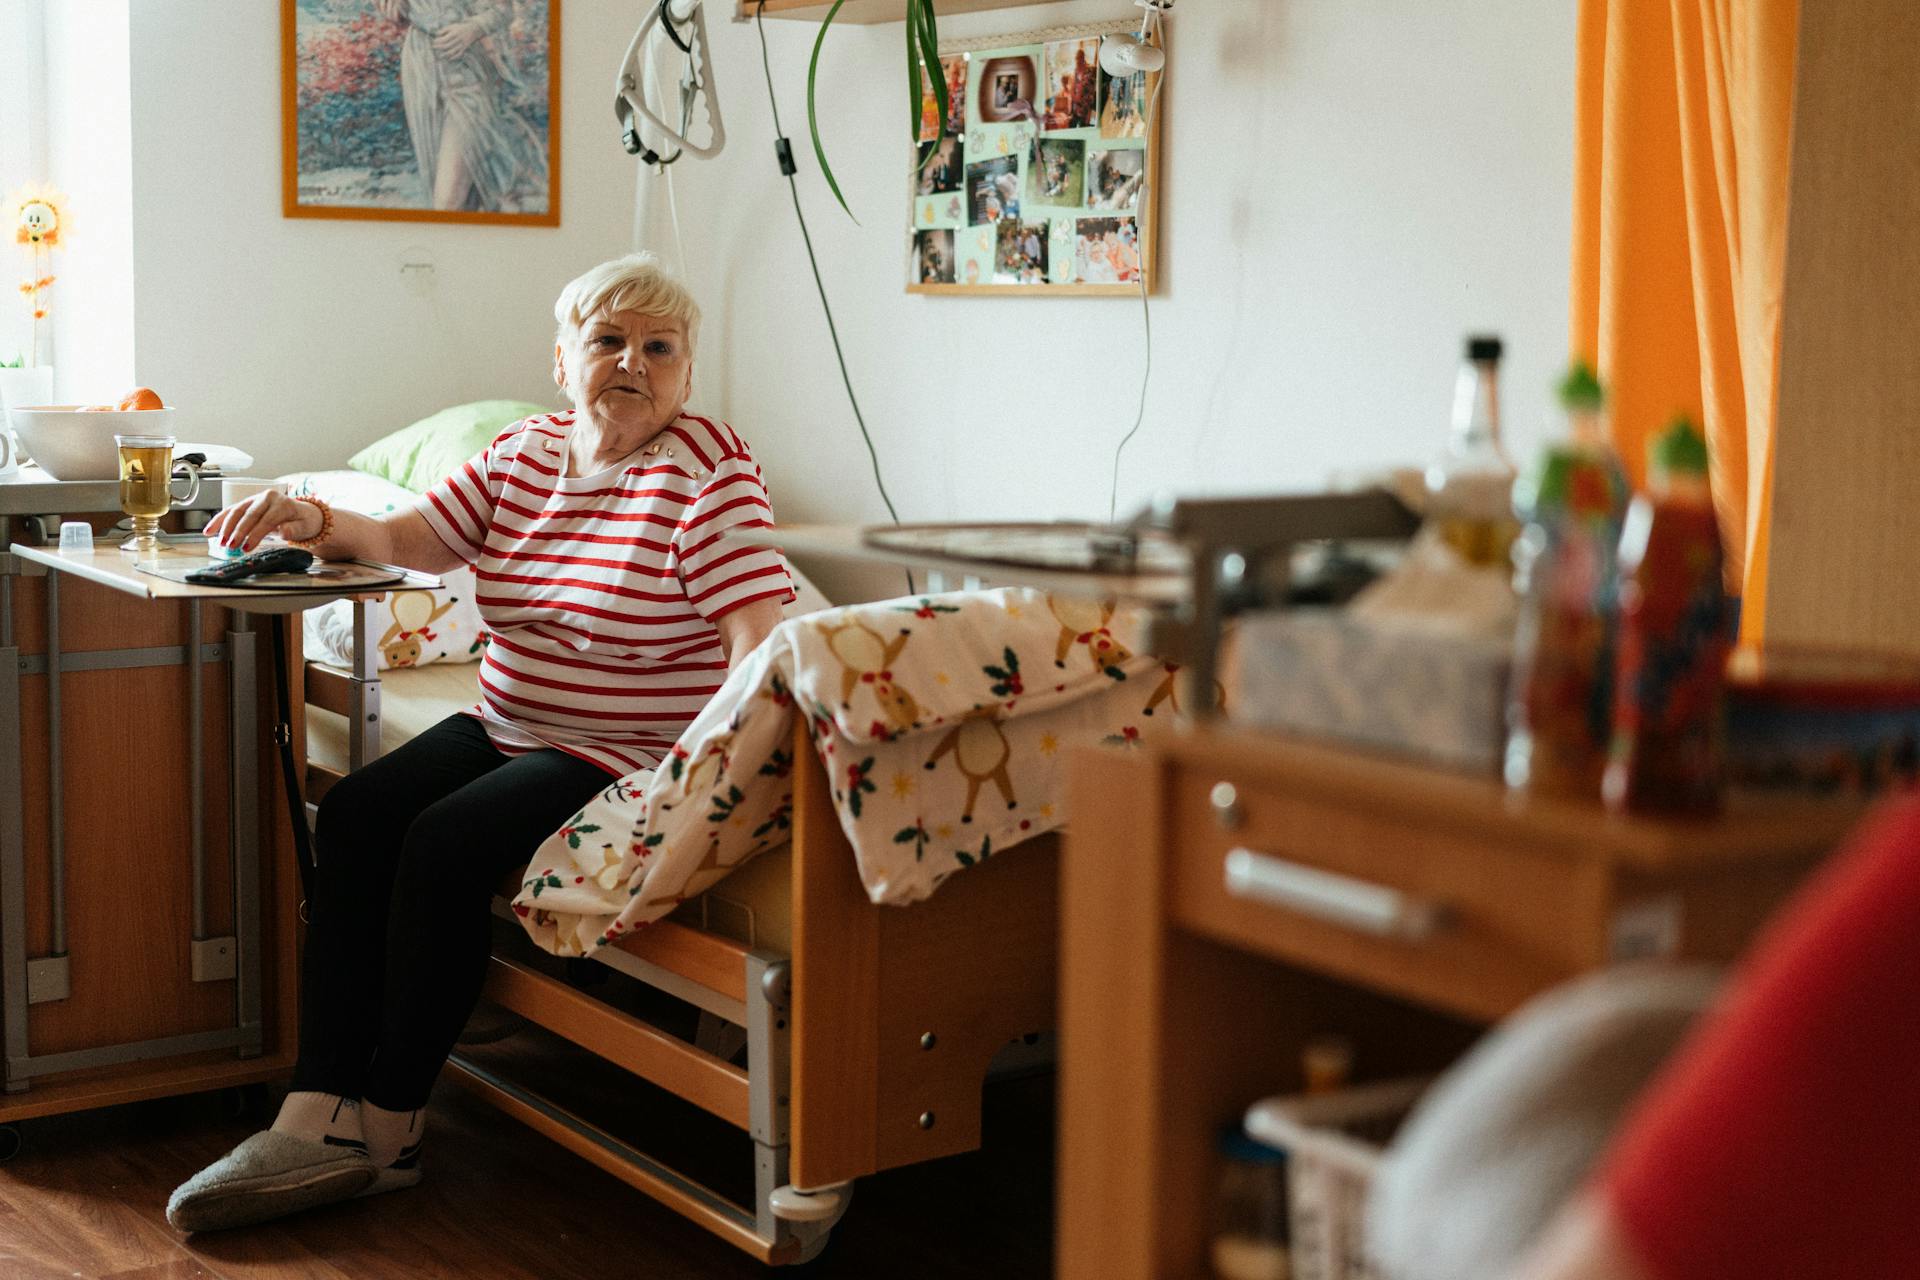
pixel 615 605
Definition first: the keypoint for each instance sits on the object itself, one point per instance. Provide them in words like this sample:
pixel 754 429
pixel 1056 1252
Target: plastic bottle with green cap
pixel 1560 706
pixel 1668 753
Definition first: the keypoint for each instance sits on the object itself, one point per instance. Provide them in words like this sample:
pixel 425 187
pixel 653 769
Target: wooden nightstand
pixel 1225 896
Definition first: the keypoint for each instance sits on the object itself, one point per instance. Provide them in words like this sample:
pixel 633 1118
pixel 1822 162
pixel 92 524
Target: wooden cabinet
pixel 106 790
pixel 1226 896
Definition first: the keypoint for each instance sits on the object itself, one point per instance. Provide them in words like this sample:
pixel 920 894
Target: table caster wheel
pixel 12 1142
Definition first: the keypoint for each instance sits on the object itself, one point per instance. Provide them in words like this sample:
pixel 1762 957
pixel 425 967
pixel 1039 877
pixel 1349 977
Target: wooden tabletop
pixel 105 564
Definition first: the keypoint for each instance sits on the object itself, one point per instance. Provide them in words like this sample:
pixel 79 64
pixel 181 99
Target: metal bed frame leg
pixel 782 1213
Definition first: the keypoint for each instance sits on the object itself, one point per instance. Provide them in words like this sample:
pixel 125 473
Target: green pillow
pixel 420 456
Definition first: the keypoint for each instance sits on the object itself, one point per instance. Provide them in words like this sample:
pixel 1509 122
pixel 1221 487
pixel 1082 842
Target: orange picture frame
pixel 365 133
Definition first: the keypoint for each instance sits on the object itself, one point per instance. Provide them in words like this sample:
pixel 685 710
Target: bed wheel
pixel 12 1142
pixel 813 1239
pixel 790 1204
pixel 810 1216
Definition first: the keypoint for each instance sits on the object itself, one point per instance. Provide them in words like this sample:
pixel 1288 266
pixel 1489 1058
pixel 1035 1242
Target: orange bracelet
pixel 326 523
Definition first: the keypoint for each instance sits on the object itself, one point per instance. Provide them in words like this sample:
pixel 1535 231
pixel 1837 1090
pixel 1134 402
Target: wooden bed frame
pixel 867 1046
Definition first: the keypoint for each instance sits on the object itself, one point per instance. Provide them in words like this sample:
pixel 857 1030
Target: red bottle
pixel 1668 753
pixel 1560 704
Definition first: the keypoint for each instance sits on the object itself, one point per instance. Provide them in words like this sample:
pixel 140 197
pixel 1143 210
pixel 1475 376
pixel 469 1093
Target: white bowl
pixel 71 445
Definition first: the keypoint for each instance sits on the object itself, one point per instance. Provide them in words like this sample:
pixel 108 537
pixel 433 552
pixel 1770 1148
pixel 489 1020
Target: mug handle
pixel 193 486
pixel 8 449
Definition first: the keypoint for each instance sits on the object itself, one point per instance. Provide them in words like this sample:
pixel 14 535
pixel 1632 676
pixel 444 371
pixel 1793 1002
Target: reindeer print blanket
pixel 944 723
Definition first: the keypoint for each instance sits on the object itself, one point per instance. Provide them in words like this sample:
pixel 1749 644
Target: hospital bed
pixel 868 1029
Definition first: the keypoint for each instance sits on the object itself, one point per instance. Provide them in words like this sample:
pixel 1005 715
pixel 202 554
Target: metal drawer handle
pixel 1336 899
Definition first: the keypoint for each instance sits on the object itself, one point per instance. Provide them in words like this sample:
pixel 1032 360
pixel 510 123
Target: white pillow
pixel 411 628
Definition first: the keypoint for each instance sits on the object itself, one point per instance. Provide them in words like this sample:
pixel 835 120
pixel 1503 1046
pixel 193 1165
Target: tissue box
pixel 1429 692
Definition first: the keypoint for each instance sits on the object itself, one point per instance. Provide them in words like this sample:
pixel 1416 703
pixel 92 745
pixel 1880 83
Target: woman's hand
pixel 247 523
pixel 456 38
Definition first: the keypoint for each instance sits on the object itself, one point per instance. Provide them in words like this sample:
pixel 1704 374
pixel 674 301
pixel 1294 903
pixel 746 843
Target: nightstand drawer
pixel 1470 919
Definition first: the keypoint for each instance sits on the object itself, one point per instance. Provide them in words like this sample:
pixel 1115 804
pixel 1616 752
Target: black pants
pixel 410 850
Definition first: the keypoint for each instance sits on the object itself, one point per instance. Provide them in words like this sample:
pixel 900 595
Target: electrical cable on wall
pixel 784 150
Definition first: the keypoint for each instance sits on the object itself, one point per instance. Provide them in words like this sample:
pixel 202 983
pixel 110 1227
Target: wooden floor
pixel 86 1199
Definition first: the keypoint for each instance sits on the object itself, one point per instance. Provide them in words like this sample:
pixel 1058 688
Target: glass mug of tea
pixel 146 486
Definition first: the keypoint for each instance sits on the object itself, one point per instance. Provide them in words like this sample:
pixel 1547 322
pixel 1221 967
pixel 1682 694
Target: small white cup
pixel 76 535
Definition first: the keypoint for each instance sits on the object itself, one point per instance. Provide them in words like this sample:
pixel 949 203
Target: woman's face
pixel 625 371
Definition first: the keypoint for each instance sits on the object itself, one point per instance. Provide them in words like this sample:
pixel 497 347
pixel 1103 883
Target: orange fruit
pixel 141 398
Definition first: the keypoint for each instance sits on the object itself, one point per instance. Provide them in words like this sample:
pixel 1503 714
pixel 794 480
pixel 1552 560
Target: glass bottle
pixel 1470 485
pixel 1560 706
pixel 1668 748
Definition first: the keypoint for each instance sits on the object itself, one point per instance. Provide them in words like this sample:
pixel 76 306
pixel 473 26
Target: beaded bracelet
pixel 326 523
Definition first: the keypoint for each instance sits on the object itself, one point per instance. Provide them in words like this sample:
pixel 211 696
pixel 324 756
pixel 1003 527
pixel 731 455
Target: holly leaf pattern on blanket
pixel 1006 677
pixel 971 774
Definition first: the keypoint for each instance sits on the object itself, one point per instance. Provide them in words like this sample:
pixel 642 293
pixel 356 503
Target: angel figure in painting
pixel 475 150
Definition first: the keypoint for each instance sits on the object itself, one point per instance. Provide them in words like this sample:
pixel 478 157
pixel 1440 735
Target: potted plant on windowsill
pixel 34 217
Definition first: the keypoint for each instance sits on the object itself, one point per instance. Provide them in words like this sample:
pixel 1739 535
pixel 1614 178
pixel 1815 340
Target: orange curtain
pixel 1679 236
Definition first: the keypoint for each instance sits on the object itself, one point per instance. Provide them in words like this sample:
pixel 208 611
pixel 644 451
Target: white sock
pixel 392 1135
pixel 322 1117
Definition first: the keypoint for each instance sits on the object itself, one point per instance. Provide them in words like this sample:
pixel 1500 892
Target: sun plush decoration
pixel 37 215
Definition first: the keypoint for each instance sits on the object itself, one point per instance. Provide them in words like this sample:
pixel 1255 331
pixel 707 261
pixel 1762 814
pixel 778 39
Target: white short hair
pixel 637 282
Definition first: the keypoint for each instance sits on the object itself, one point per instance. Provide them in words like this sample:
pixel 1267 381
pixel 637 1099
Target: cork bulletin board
pixel 1048 181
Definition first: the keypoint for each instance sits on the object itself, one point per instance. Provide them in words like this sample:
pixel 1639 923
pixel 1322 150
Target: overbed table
pixel 132 965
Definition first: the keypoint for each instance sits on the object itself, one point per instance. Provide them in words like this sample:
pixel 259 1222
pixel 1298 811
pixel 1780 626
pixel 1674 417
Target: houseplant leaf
pixel 813 118
pixel 916 89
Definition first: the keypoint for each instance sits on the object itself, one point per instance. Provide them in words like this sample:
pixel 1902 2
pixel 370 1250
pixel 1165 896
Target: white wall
pixel 89 150
pixel 1352 185
pixel 300 340
pixel 23 147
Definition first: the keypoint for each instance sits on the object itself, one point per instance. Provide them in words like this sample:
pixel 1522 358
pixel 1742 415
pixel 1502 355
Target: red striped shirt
pixel 600 592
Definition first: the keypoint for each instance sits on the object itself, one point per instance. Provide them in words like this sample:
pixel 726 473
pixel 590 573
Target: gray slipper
pixel 404 1172
pixel 268 1176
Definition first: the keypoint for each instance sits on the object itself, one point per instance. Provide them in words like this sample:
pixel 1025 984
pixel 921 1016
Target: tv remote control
pixel 272 560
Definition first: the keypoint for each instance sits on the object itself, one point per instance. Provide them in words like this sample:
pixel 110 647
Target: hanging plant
pixel 923 66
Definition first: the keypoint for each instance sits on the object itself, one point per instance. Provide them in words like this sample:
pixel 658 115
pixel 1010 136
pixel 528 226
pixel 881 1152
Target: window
pixel 23 149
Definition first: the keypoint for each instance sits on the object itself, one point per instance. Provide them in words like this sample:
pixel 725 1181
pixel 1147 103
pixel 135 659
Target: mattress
pixel 754 905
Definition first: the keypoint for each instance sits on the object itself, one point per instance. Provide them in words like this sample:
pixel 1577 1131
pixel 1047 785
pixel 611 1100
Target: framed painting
pixel 1045 181
pixel 421 110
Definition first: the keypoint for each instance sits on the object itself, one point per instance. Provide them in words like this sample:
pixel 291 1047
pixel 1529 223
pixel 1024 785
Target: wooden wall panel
pixel 1847 463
